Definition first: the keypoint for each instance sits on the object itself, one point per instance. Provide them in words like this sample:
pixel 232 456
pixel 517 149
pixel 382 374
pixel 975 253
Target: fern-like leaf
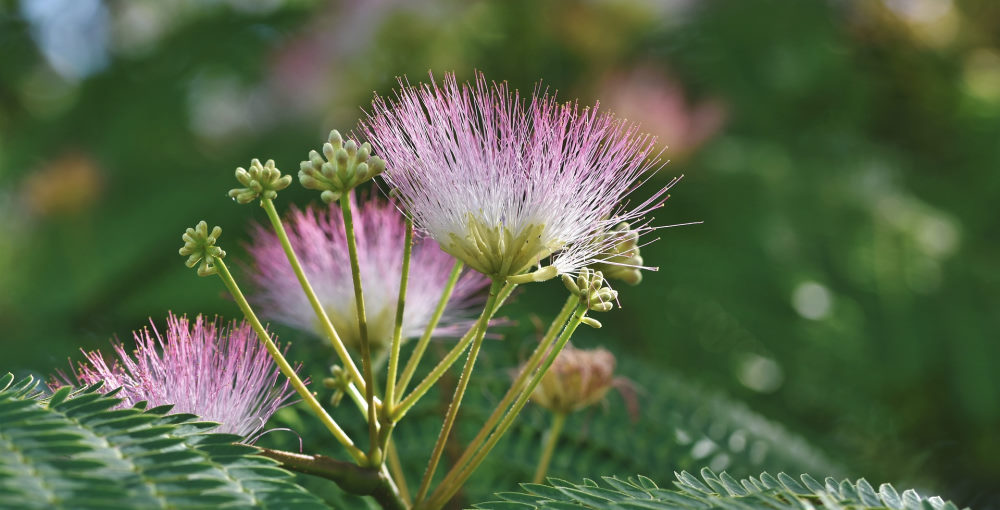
pixel 74 450
pixel 711 490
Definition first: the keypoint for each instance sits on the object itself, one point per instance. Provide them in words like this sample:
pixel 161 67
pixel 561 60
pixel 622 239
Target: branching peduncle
pixel 397 334
pixel 331 332
pixel 460 473
pixel 435 374
pixel 286 368
pixel 418 350
pixel 463 382
pixel 517 386
pixel 375 454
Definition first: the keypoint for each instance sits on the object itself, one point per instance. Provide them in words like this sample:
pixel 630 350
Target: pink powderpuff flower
pixel 317 236
pixel 503 183
pixel 221 374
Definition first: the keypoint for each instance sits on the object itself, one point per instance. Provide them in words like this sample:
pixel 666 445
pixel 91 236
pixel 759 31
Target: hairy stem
pixel 396 468
pixel 286 368
pixel 418 350
pixel 463 382
pixel 435 374
pixel 558 420
pixel 331 333
pixel 374 454
pixel 517 386
pixel 397 334
pixel 354 479
pixel 460 473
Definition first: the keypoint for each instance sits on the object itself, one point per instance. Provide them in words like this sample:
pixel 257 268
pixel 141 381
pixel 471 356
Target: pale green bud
pixel 621 261
pixel 570 284
pixel 590 287
pixel 541 275
pixel 339 382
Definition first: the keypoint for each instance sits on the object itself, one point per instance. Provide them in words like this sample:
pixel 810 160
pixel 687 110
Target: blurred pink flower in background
pixel 647 95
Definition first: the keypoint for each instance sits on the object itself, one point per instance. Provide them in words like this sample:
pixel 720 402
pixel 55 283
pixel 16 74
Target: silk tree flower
pixel 220 374
pixel 503 183
pixel 317 236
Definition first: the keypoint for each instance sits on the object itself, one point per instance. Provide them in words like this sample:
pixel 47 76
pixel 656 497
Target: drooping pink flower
pixel 317 236
pixel 220 374
pixel 502 182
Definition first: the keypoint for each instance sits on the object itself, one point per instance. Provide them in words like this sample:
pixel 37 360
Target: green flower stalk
pixel 199 246
pixel 588 292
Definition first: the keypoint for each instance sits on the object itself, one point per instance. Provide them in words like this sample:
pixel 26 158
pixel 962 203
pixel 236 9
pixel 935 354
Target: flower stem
pixel 331 333
pixel 418 351
pixel 375 456
pixel 286 369
pixel 463 382
pixel 396 467
pixel 460 473
pixel 517 387
pixel 397 334
pixel 558 420
pixel 425 385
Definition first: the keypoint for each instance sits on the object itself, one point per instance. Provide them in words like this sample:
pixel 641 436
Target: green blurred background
pixel 843 155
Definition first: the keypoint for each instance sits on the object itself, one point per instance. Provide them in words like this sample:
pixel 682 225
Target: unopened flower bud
pixel 346 166
pixel 590 287
pixel 260 181
pixel 577 378
pixel 620 259
pixel 199 247
pixel 542 274
pixel 339 383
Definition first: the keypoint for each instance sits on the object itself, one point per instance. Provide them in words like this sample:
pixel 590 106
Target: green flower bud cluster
pixel 590 287
pixel 339 381
pixel 199 246
pixel 346 166
pixel 622 258
pixel 261 181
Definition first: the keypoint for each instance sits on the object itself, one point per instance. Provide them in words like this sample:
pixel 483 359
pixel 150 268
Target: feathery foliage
pixel 74 450
pixel 765 492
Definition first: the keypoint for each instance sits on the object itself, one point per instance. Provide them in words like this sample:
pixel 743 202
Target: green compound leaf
pixel 680 426
pixel 722 491
pixel 73 450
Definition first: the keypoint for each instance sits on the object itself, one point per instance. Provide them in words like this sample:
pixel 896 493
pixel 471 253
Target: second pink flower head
pixel 318 238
